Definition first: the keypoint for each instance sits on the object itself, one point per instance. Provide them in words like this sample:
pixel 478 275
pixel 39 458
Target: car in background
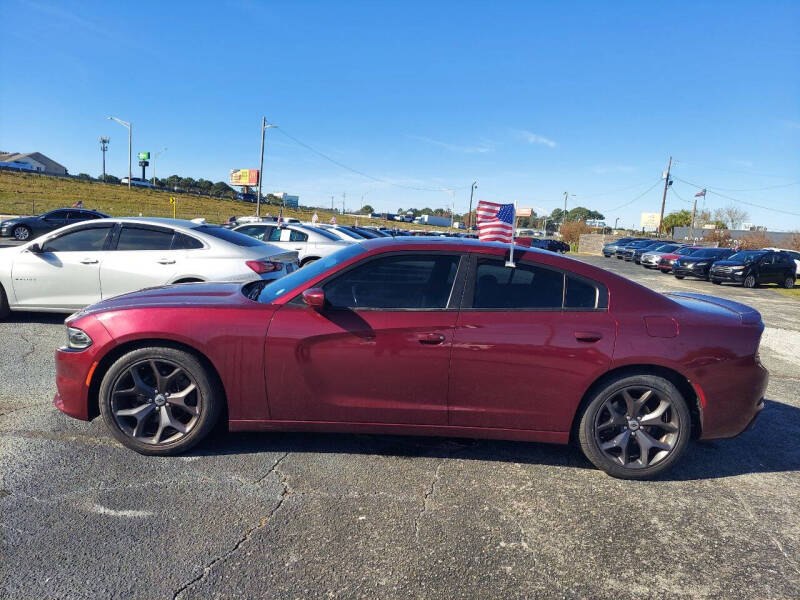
pixel 624 250
pixel 311 243
pixel 610 248
pixel 597 359
pixel 137 182
pixel 27 228
pixel 638 252
pixel 698 264
pixel 343 233
pixel 650 257
pixel 793 253
pixel 751 268
pixel 84 263
pixel 666 260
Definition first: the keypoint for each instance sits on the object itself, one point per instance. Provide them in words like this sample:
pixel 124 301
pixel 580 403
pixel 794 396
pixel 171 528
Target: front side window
pixel 421 282
pixel 297 236
pixel 83 240
pixel 139 238
pixel 56 215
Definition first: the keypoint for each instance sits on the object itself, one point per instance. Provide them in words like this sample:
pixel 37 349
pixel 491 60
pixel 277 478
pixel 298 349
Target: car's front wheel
pixel 4 309
pixel 750 281
pixel 21 233
pixel 635 427
pixel 679 276
pixel 159 400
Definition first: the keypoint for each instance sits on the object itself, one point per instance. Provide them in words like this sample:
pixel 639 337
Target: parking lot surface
pixel 358 516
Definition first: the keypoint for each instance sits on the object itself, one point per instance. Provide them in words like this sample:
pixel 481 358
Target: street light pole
pixel 264 127
pixel 471 192
pixel 155 156
pixel 130 145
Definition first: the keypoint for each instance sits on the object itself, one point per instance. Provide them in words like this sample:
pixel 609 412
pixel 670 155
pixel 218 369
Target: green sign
pixel 144 156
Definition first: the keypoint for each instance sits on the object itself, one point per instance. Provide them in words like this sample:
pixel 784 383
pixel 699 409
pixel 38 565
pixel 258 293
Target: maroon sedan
pixel 424 337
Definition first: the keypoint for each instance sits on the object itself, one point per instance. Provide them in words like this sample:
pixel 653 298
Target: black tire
pixel 207 398
pixel 21 233
pixel 308 261
pixel 716 282
pixel 750 281
pixel 788 282
pixel 4 309
pixel 661 390
pixel 679 276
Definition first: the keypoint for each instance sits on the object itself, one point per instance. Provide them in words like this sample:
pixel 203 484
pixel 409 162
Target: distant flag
pixel 333 220
pixel 78 204
pixel 315 218
pixel 701 193
pixel 356 223
pixel 280 215
pixel 495 222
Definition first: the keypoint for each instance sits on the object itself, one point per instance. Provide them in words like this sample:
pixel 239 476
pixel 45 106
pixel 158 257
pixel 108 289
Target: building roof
pixel 50 165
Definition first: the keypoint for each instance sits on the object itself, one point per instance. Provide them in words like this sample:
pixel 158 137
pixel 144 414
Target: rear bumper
pixel 732 398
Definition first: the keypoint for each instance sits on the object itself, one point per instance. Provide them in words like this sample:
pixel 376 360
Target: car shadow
pixel 35 317
pixel 769 447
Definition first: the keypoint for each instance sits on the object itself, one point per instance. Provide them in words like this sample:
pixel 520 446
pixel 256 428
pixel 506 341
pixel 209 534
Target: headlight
pixel 738 268
pixel 77 339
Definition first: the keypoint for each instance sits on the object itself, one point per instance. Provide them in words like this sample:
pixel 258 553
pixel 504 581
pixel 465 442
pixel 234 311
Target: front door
pixel 378 353
pixel 66 273
pixel 528 342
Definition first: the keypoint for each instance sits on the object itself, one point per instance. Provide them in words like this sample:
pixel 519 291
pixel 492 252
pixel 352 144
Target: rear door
pixel 66 274
pixel 380 350
pixel 528 342
pixel 141 256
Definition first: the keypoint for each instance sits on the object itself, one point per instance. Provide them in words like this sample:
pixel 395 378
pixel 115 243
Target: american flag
pixel 78 204
pixel 495 222
pixel 701 193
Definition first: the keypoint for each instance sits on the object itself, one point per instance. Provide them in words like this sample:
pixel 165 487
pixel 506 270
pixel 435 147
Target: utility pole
pixel 344 197
pixel 103 147
pixel 691 227
pixel 566 195
pixel 264 127
pixel 664 197
pixel 469 214
pixel 332 208
pixel 155 156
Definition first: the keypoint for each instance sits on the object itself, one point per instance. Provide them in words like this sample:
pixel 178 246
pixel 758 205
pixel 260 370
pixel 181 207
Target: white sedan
pixel 81 264
pixel 311 243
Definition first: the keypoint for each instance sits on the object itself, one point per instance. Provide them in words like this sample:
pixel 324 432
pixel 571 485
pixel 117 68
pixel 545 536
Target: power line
pixel 741 171
pixel 711 191
pixel 672 189
pixel 611 210
pixel 362 173
pixel 622 189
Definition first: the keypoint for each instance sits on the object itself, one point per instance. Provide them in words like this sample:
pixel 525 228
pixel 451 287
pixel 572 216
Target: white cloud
pixel 535 138
pixel 747 164
pixel 483 147
pixel 792 124
pixel 606 169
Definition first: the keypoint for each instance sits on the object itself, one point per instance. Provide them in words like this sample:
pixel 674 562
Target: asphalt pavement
pixel 359 516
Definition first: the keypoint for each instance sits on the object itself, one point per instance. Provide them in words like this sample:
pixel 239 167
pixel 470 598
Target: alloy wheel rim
pixel 749 281
pixel 156 402
pixel 21 233
pixel 637 427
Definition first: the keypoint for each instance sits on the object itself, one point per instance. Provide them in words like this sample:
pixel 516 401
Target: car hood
pixel 728 263
pixel 194 295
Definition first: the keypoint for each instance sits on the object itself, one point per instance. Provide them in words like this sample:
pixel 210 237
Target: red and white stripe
pixel 490 228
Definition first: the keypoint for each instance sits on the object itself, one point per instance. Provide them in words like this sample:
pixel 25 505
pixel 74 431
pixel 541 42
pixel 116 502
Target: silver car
pixel 311 243
pixel 651 257
pixel 84 263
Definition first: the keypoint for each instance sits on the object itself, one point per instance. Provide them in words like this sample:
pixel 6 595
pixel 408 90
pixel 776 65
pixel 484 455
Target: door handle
pixel 588 336
pixel 431 339
pixel 165 261
pixel 89 261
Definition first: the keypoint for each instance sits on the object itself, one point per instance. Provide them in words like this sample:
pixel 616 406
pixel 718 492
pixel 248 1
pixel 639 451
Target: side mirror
pixel 35 248
pixel 314 297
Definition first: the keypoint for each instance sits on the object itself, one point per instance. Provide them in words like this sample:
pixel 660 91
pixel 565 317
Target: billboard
pixel 144 156
pixel 244 177
pixel 649 221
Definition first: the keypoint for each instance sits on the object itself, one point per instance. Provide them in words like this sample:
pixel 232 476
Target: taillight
pixel 264 266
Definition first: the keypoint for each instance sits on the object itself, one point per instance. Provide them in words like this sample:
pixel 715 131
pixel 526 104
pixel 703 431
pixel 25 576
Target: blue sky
pixel 529 99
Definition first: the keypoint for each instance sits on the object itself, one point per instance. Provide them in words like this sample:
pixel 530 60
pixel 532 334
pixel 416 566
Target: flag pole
pixel 510 262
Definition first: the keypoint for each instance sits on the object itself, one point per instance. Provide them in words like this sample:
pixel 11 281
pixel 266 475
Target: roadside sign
pixel 244 177
pixel 144 156
pixel 524 211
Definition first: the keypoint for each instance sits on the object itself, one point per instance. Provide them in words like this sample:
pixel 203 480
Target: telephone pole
pixel 264 127
pixel 103 147
pixel 344 197
pixel 664 197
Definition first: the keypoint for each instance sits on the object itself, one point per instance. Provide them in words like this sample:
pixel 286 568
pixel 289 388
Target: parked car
pixel 137 182
pixel 342 233
pixel 80 264
pixel 638 252
pixel 627 251
pixel 698 264
pixel 751 268
pixel 650 258
pixel 551 350
pixel 27 228
pixel 666 260
pixel 795 256
pixel 311 243
pixel 610 248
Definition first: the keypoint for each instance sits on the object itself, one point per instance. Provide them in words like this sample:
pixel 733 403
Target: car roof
pixel 444 243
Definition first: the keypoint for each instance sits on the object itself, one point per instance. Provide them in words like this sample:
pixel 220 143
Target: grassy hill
pixel 26 194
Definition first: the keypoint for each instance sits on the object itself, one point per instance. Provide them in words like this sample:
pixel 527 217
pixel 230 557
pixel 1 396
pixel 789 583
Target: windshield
pixel 665 248
pixel 745 257
pixel 275 289
pixel 686 251
pixel 232 237
pixel 710 253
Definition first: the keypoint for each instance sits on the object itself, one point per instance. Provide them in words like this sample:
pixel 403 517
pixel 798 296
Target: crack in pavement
pixel 247 534
pixel 31 344
pixel 426 498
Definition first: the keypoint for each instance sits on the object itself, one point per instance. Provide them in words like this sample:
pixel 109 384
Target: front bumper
pixel 730 276
pixel 694 271
pixel 5 231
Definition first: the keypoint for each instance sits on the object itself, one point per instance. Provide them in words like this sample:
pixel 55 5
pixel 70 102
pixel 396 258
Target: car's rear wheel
pixel 159 400
pixel 750 281
pixel 4 309
pixel 21 233
pixel 788 283
pixel 635 427
pixel 716 282
pixel 679 276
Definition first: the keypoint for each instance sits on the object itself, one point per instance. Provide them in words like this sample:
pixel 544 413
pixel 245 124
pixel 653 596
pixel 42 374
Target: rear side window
pixel 525 286
pixel 139 238
pixel 580 293
pixel 297 236
pixel 396 282
pixel 232 237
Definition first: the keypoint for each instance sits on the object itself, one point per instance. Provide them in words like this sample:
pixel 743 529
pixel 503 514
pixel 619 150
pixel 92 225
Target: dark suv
pixel 753 267
pixel 698 264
